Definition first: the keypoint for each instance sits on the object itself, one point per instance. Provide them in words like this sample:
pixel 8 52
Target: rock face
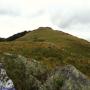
pixel 74 79
pixel 5 82
pixel 26 74
pixel 67 78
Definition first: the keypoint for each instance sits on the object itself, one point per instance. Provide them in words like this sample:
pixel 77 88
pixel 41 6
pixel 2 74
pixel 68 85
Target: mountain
pixel 15 36
pixel 2 39
pixel 45 49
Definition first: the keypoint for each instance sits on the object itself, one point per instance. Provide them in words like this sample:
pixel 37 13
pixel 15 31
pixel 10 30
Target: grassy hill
pixel 52 48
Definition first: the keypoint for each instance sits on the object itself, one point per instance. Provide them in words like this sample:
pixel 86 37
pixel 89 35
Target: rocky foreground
pixel 29 74
pixel 5 82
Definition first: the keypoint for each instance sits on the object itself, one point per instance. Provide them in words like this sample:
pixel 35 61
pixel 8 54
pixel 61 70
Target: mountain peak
pixel 44 28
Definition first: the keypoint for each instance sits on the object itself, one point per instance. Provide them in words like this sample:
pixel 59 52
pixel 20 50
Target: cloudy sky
pixel 72 16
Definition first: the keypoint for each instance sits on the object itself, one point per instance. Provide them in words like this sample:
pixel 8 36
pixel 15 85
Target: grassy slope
pixel 52 48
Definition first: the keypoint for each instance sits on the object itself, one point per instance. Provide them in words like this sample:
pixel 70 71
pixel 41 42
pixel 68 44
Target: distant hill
pixel 2 39
pixel 52 48
pixel 14 37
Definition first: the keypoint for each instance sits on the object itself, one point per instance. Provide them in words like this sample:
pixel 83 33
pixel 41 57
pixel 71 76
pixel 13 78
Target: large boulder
pixel 66 78
pixel 27 74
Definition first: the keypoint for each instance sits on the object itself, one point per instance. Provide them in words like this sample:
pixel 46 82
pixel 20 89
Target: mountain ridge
pixel 23 33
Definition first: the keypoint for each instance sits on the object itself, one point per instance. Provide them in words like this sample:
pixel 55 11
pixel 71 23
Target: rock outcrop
pixel 30 74
pixel 5 82
pixel 67 78
pixel 27 74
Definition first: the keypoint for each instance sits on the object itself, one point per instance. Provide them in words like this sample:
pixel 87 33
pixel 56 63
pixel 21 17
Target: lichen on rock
pixel 5 82
pixel 30 74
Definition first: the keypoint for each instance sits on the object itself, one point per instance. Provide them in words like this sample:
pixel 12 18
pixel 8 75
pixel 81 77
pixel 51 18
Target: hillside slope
pixel 45 49
pixel 52 48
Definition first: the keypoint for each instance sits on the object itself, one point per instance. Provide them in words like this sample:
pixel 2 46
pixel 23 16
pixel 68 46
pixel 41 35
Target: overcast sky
pixel 72 16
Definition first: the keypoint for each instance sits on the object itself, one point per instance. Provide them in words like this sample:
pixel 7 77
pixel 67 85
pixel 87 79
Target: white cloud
pixel 11 25
pixel 72 16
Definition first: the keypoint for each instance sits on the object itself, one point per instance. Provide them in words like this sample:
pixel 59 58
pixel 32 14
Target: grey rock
pixel 30 74
pixel 5 82
pixel 27 74
pixel 67 78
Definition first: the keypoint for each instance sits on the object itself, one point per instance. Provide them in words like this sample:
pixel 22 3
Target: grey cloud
pixel 72 19
pixel 64 21
pixel 9 8
pixel 37 13
pixel 9 12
